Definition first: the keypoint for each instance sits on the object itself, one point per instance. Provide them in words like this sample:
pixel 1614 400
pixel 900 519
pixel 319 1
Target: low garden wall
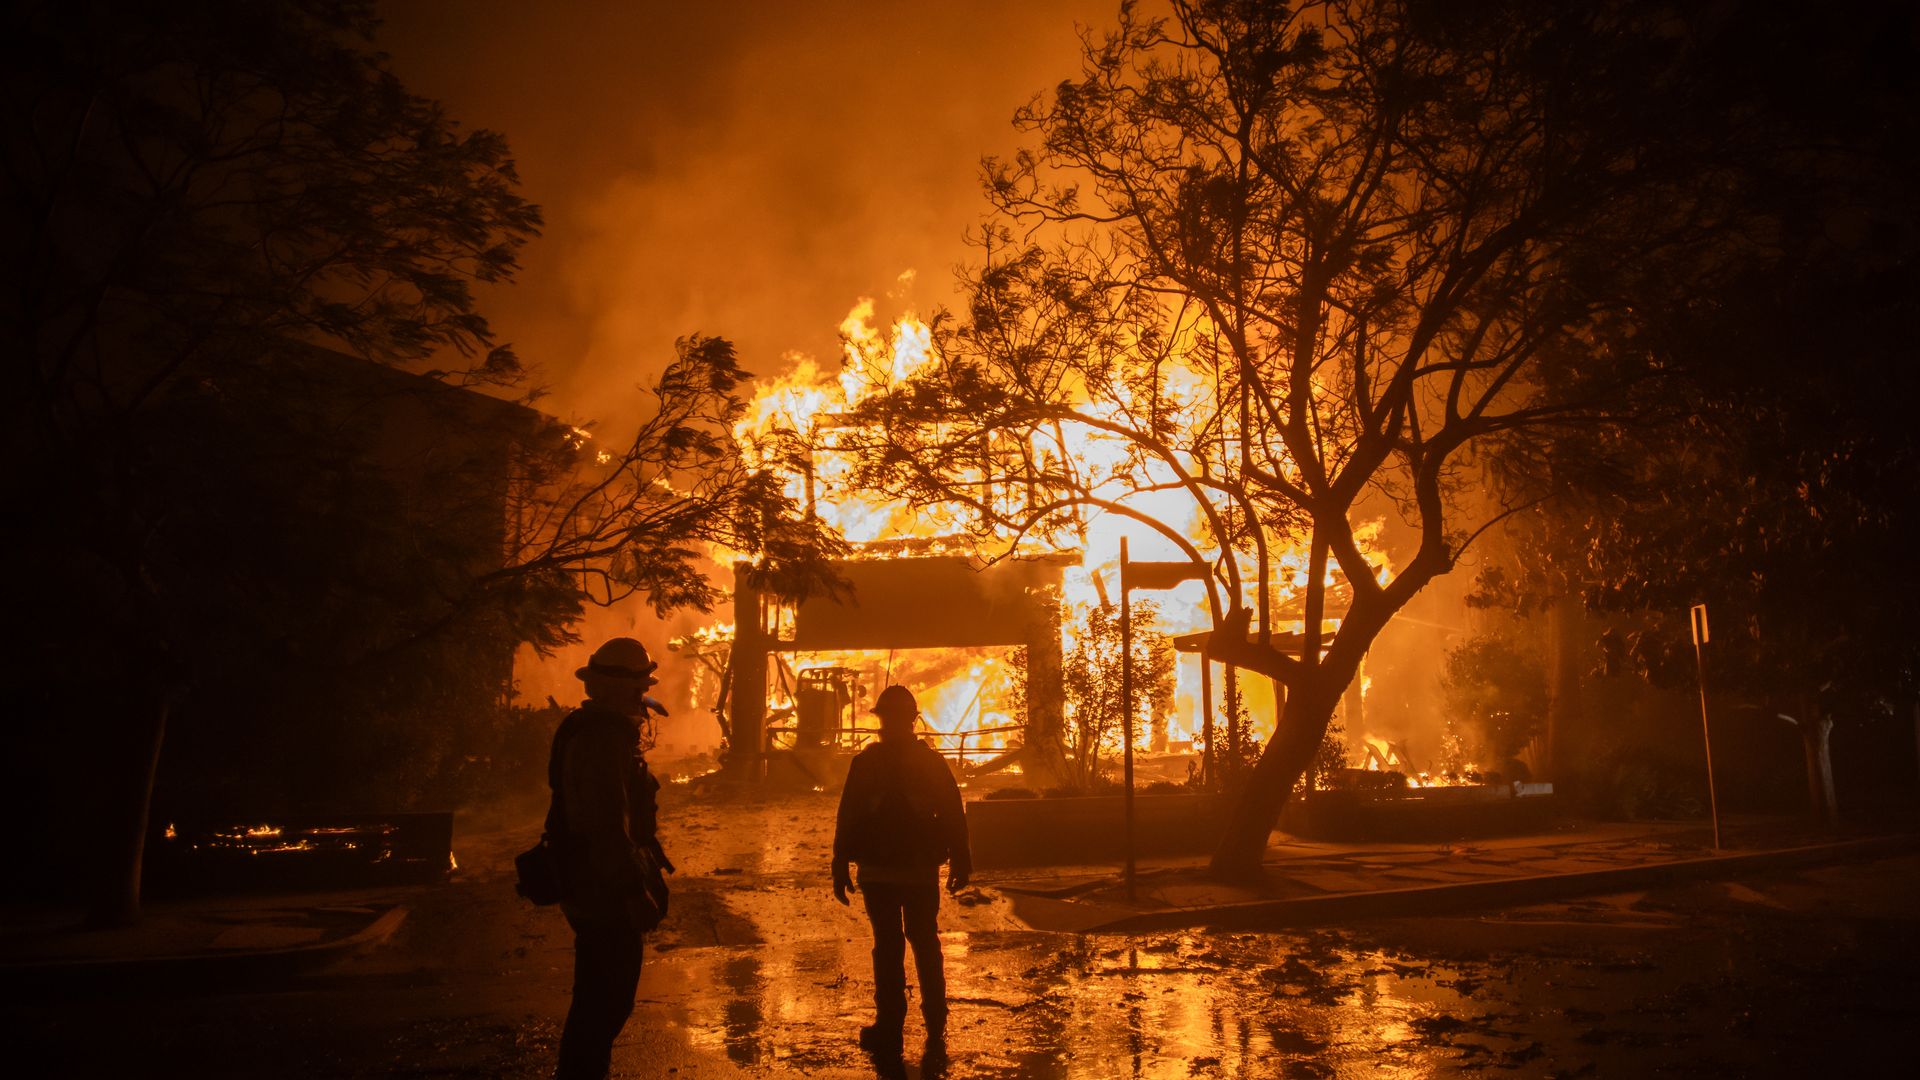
pixel 301 852
pixel 1421 814
pixel 1090 828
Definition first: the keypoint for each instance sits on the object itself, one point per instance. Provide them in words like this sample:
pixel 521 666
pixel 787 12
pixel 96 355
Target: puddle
pixel 1040 1005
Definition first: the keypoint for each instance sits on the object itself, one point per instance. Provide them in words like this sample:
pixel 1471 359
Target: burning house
pixel 897 608
pixel 984 634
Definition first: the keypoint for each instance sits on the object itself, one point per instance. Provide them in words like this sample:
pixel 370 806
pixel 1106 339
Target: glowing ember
pixel 797 427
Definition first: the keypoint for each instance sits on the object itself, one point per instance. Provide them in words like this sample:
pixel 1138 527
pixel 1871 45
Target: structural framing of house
pixel 946 601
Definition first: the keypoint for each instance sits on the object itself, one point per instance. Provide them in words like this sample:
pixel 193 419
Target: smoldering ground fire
pixel 948 598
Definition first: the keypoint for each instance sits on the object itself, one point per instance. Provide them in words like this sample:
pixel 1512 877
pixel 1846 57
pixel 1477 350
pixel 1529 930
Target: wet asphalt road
pixel 762 974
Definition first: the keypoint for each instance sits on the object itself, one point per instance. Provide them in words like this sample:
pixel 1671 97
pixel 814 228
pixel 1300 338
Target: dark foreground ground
pixel 760 973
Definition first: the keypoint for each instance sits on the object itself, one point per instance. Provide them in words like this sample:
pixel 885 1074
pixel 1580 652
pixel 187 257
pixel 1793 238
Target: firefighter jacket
pixel 901 816
pixel 604 815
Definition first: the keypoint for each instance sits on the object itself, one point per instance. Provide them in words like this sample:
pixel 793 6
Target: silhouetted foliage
pixel 1773 475
pixel 226 224
pixel 1496 687
pixel 1239 750
pixel 1293 258
pixel 1093 684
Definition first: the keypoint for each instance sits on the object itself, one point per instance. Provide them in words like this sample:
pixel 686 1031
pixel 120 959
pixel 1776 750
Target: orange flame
pixel 790 427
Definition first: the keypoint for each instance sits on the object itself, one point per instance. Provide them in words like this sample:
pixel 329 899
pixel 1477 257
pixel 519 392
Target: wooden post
pixel 1698 618
pixel 1126 707
pixel 1231 771
pixel 1207 759
pixel 747 664
pixel 1043 755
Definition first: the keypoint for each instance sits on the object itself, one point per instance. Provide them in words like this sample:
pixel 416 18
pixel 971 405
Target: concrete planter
pixel 1090 828
pixel 1421 814
pixel 302 852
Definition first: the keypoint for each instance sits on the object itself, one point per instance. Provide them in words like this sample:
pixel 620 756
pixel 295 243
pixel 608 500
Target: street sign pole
pixel 1697 616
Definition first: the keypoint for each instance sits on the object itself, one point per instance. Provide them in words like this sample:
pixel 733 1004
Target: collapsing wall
pixel 913 603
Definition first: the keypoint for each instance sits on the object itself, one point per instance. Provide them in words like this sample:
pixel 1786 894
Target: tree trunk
pixel 1297 733
pixel 1816 731
pixel 1304 717
pixel 116 898
pixel 1044 761
pixel 1353 704
pixel 1296 738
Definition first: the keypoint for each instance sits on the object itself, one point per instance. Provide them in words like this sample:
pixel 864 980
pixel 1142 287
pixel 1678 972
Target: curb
pixel 200 967
pixel 1498 892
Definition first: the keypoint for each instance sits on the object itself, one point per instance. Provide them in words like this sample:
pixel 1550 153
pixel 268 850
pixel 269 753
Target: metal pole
pixel 1698 618
pixel 1126 706
pixel 1230 767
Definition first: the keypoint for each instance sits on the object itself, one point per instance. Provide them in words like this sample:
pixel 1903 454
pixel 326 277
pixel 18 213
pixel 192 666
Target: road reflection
pixel 743 1009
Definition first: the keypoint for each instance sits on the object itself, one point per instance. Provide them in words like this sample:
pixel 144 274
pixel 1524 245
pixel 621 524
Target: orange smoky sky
pixel 743 168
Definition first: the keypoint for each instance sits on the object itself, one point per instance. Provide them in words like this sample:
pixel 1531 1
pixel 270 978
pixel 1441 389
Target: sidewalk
pixel 1308 882
pixel 240 937
pixel 179 941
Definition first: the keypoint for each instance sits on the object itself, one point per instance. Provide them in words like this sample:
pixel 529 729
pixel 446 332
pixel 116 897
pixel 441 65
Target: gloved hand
pixel 842 882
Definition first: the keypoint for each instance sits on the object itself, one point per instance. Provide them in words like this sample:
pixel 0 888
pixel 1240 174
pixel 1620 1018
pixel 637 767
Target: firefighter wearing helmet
pixel 603 821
